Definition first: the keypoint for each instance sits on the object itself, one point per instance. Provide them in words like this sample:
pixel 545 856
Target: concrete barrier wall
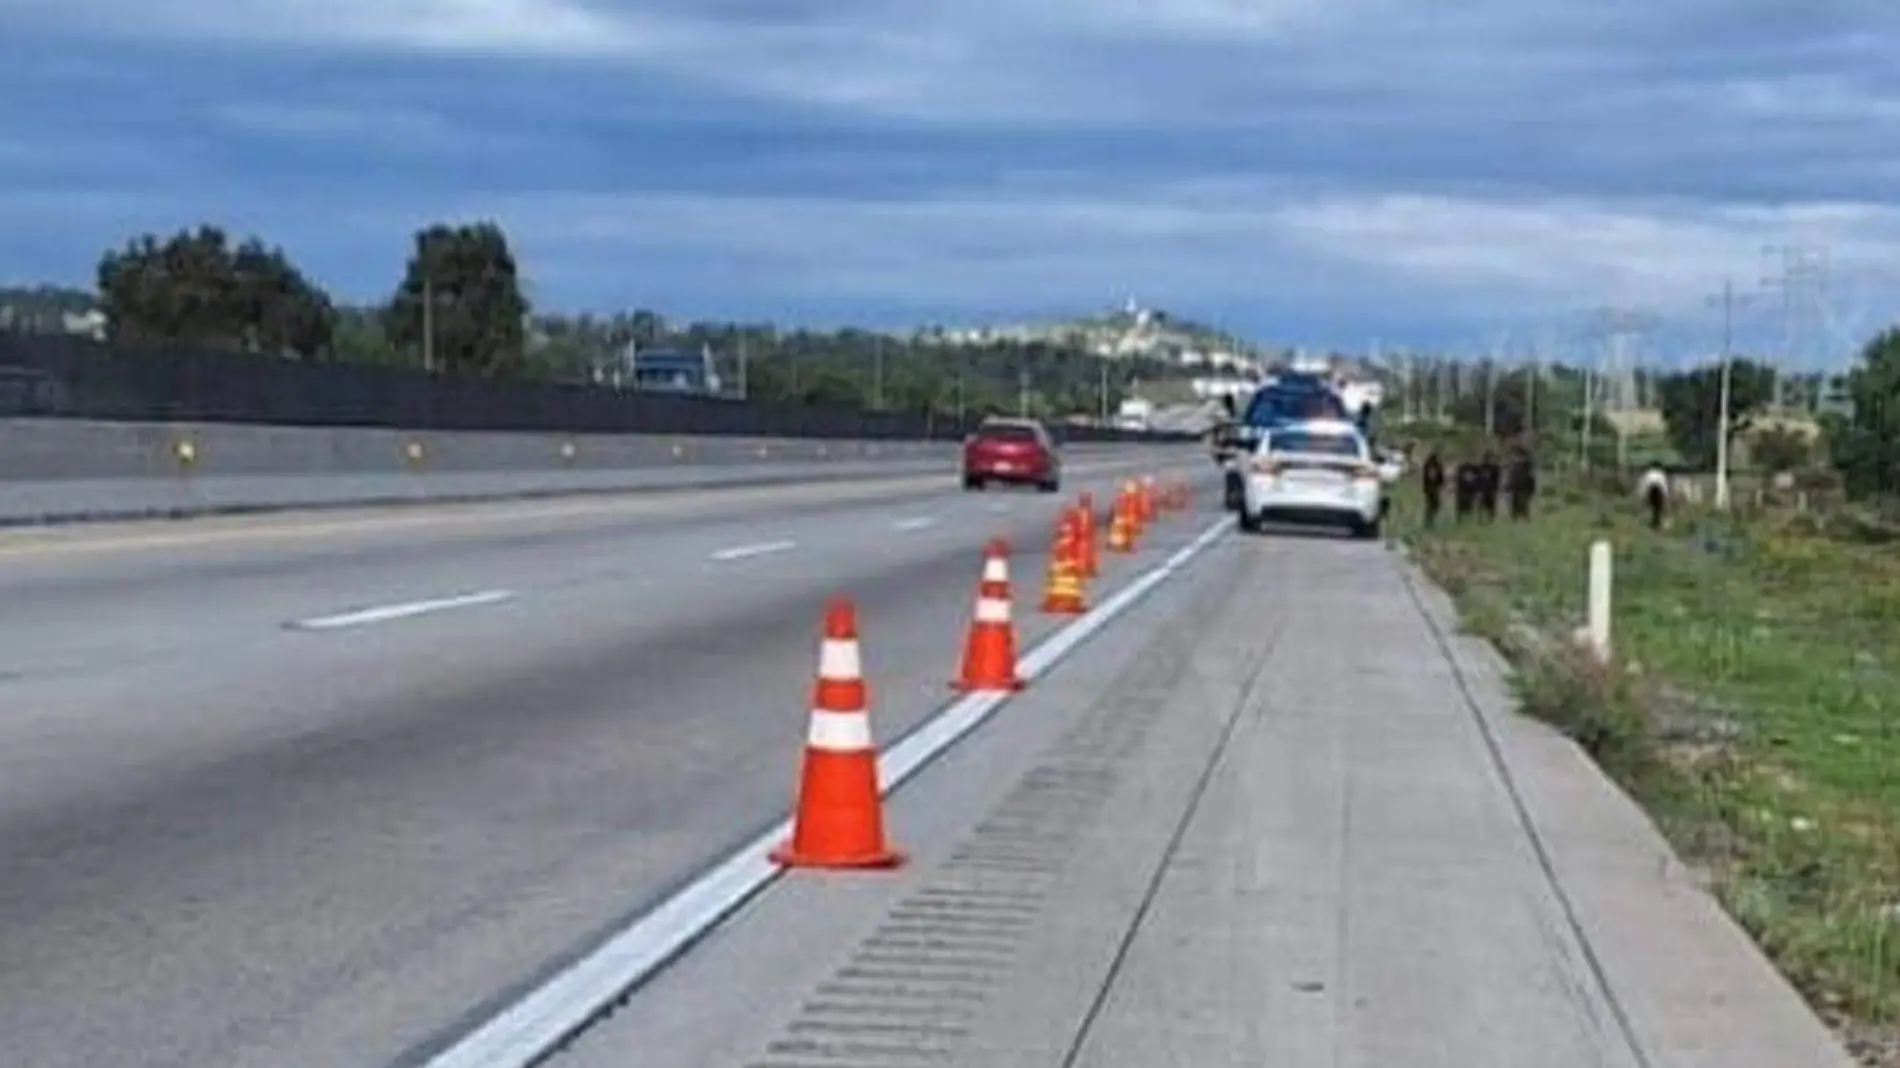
pixel 40 449
pixel 54 470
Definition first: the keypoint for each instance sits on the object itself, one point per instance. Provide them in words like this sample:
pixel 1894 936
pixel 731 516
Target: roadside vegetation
pixel 1754 709
pixel 464 289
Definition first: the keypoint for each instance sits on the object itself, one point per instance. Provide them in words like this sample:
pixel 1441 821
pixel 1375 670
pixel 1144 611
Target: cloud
pixel 1306 165
pixel 412 131
pixel 496 27
pixel 1550 255
pixel 1343 264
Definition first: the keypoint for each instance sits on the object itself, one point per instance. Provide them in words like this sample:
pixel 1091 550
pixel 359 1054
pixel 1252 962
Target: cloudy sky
pixel 1314 170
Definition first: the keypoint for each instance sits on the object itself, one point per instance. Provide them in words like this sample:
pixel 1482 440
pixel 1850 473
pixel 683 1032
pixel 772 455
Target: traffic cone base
pixel 851 834
pixel 1012 686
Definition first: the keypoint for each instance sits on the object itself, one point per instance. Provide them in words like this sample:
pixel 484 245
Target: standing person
pixel 1490 475
pixel 1432 481
pixel 1521 483
pixel 1465 484
pixel 1654 488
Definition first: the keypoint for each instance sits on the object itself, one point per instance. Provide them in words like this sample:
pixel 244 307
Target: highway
pixel 348 790
pixel 323 789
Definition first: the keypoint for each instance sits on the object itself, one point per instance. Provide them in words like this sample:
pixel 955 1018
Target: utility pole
pixel 1729 300
pixel 743 394
pixel 1491 386
pixel 877 372
pixel 1409 399
pixel 1491 397
pixel 1104 391
pixel 1531 376
pixel 428 324
pixel 1589 414
pixel 1540 346
pixel 1022 392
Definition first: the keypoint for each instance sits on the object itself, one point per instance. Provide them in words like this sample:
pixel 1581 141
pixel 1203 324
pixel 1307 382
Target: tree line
pixel 1858 442
pixel 459 308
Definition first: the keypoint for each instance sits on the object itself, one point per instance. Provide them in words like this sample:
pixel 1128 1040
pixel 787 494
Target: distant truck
pixel 670 370
pixel 1135 414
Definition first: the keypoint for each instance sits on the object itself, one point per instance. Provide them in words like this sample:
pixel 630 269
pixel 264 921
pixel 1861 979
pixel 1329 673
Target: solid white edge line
pixel 917 523
pixel 405 610
pixel 529 1029
pixel 741 552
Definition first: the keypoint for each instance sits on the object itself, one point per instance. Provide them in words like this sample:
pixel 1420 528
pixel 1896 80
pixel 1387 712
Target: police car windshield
pixel 1314 443
pixel 1270 406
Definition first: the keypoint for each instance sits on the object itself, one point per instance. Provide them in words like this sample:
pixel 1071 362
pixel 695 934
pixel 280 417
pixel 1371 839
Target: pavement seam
pixel 1494 751
pixel 1158 878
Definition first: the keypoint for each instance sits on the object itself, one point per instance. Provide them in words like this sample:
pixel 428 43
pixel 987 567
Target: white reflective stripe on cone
pixel 996 569
pixel 839 660
pixel 839 732
pixel 991 610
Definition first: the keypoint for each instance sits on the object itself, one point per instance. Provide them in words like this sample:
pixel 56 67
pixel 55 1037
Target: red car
pixel 1018 451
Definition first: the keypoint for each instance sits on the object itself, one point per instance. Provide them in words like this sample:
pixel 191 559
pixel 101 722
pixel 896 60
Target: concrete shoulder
pixel 1690 984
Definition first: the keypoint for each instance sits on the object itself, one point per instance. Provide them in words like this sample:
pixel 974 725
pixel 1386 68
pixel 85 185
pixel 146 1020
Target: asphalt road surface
pixel 320 790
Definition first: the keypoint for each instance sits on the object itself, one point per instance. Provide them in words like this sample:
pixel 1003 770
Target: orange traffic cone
pixel 1121 526
pixel 1062 591
pixel 1091 562
pixel 840 818
pixel 1149 510
pixel 989 655
pixel 1128 503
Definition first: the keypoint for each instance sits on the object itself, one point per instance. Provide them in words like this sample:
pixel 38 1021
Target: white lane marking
pixel 915 523
pixel 742 552
pixel 525 1032
pixel 390 612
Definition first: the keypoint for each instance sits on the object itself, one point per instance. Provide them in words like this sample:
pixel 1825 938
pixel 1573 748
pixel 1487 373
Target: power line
pixel 1801 277
pixel 1617 328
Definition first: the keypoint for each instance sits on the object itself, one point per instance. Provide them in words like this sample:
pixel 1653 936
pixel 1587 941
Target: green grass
pixel 1754 709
